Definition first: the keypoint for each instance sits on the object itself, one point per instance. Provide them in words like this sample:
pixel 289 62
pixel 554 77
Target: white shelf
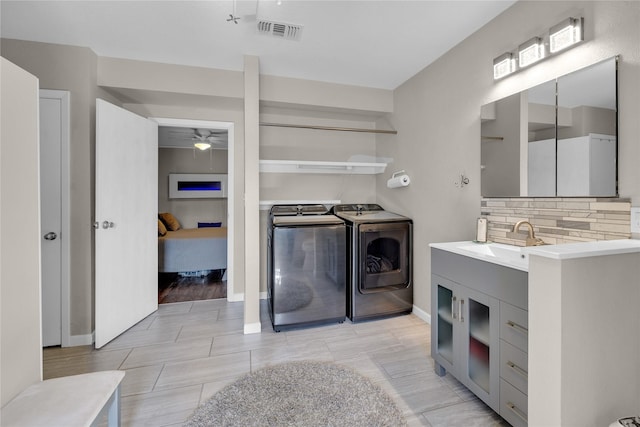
pixel 480 331
pixel 305 166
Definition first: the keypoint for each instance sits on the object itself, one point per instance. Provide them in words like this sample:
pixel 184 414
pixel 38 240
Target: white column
pixel 252 195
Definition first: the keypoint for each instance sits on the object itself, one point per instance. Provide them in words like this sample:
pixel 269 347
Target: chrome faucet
pixel 532 240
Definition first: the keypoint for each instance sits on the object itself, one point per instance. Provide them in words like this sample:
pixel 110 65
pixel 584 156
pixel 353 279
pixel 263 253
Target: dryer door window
pixel 384 260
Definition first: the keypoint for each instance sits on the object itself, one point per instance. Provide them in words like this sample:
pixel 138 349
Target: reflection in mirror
pixel 541 147
pixel 537 144
pixel 587 129
pixel 500 147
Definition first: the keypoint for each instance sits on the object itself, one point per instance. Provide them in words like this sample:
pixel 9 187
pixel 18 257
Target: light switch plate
pixel 635 220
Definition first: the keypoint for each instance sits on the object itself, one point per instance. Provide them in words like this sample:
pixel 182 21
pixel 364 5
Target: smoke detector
pixel 280 29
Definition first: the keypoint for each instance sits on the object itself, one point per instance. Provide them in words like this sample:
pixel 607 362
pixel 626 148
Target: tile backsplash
pixel 557 220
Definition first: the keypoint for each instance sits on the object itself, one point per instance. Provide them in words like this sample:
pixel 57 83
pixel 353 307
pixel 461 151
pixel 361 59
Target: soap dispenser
pixel 481 230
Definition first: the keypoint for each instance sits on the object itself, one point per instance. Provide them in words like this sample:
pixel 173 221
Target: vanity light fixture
pixel 562 36
pixel 530 52
pixel 202 145
pixel 503 65
pixel 565 34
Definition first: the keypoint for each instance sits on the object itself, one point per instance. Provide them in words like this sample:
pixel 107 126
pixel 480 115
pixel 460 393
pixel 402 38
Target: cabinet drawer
pixel 513 405
pixel 514 326
pixel 514 366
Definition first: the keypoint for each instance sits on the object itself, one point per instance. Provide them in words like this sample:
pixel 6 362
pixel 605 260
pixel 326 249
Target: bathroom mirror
pixel 556 139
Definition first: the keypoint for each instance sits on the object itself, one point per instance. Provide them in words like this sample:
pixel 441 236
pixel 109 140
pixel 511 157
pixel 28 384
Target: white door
pixel 126 249
pixel 54 134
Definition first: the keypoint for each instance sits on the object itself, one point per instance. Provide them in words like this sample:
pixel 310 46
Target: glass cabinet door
pixel 446 339
pixel 482 345
pixel 446 301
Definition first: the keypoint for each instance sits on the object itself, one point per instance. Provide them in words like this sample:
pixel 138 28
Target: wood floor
pixel 179 356
pixel 174 288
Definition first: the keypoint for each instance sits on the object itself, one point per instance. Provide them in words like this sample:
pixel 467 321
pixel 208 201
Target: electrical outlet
pixel 635 220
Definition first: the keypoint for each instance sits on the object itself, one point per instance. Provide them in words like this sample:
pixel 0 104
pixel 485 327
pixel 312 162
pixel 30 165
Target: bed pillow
pixel 170 221
pixel 209 224
pixel 162 230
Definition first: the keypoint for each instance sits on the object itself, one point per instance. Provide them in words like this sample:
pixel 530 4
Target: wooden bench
pixel 78 400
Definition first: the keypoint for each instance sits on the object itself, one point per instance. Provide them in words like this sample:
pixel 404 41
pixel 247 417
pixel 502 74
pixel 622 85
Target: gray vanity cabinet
pixel 479 329
pixel 465 340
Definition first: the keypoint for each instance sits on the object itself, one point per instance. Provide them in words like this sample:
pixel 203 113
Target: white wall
pixel 252 194
pixel 437 115
pixel 20 328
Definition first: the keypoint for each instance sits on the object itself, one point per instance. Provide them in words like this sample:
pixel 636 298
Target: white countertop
pixel 585 249
pixel 518 257
pixel 497 253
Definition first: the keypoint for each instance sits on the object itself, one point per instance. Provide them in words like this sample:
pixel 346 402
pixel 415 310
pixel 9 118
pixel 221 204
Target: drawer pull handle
pixel 517 327
pixel 461 310
pixel 517 369
pixel 517 411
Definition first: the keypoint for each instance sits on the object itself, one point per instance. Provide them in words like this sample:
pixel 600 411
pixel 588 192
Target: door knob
pixel 50 236
pixel 108 224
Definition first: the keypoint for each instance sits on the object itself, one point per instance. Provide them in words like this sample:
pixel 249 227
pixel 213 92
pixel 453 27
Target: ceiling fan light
pixel 202 145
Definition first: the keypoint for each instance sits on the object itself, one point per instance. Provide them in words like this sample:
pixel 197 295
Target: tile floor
pixel 178 357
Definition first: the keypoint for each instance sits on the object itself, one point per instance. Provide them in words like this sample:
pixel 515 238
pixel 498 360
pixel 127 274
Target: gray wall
pixel 437 115
pixel 190 211
pixel 181 92
pixel 72 69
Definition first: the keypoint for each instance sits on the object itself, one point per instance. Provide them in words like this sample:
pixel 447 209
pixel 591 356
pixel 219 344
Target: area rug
pixel 300 394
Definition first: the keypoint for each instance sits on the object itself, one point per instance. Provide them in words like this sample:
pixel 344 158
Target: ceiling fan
pixel 205 138
pixel 178 137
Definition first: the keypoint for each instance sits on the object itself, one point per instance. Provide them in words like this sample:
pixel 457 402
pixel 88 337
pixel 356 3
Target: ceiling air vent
pixel 280 29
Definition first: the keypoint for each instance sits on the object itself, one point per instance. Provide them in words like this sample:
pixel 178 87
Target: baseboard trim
pixel 422 314
pixel 235 297
pixel 78 340
pixel 252 328
pixel 240 297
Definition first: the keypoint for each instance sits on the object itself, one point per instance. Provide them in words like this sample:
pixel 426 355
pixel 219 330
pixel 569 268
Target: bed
pixel 192 249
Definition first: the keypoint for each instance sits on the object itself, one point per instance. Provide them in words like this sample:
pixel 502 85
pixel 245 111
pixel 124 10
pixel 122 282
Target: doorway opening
pixel 196 254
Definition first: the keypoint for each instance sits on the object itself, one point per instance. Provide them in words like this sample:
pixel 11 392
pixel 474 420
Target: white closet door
pixel 51 134
pixel 126 249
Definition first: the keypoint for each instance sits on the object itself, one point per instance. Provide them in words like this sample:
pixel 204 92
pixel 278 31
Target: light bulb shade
pixel 202 145
pixel 565 34
pixel 530 52
pixel 503 65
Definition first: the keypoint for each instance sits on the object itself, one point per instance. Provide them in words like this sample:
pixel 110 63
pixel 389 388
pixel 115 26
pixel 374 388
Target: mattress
pixel 193 249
